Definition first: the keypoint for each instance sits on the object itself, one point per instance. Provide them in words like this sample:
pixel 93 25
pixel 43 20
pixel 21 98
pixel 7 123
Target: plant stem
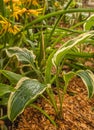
pixel 52 98
pixel 46 99
pixel 46 115
pixel 68 4
pixel 42 51
pixel 39 74
pixel 59 95
pixel 4 117
pixel 64 92
pixel 59 20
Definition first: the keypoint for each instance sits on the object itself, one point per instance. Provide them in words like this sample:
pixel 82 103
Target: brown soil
pixel 77 112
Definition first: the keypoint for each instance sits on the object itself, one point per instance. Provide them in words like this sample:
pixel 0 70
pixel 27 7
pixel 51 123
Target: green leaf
pixel 23 55
pixel 49 68
pixel 65 49
pixel 11 76
pixel 27 91
pixel 68 76
pixel 2 8
pixel 4 89
pixel 89 24
pixel 88 79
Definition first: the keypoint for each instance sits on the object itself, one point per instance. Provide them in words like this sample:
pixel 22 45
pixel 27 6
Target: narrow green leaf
pixel 11 76
pixel 2 8
pixel 49 68
pixel 5 89
pixel 4 117
pixel 23 55
pixel 88 79
pixel 27 91
pixel 44 112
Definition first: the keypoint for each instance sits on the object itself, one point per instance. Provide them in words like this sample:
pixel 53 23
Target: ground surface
pixel 77 111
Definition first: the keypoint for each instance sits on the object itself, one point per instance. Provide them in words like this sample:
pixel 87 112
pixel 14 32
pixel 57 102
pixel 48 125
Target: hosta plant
pixel 26 89
pixel 30 55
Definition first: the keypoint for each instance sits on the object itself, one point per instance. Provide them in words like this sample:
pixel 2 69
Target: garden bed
pixel 46 51
pixel 77 111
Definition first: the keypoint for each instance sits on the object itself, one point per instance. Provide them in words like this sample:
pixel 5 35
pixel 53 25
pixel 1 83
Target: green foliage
pixel 88 79
pixel 27 91
pixel 11 76
pixel 34 57
pixel 89 24
pixel 2 8
pixel 4 89
pixel 23 55
pixel 60 54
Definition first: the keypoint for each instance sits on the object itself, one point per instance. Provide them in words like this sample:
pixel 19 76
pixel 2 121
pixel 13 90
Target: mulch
pixel 78 112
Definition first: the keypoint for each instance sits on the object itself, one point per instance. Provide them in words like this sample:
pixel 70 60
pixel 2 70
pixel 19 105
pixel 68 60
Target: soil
pixel 78 112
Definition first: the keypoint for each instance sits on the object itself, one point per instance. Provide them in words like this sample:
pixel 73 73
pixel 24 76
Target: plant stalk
pixel 52 98
pixel 59 95
pixel 59 20
pixel 43 112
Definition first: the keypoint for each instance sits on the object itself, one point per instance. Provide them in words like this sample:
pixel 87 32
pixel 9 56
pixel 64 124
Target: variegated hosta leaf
pixel 88 78
pixel 23 55
pixel 5 89
pixel 65 49
pixel 11 76
pixel 27 91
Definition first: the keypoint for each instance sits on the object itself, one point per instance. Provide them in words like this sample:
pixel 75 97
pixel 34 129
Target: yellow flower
pixel 13 29
pixel 57 4
pixel 34 2
pixel 14 1
pixel 18 12
pixel 34 12
pixel 8 27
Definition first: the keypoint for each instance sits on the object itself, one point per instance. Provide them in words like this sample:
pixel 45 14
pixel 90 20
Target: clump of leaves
pixel 28 89
pixel 32 75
